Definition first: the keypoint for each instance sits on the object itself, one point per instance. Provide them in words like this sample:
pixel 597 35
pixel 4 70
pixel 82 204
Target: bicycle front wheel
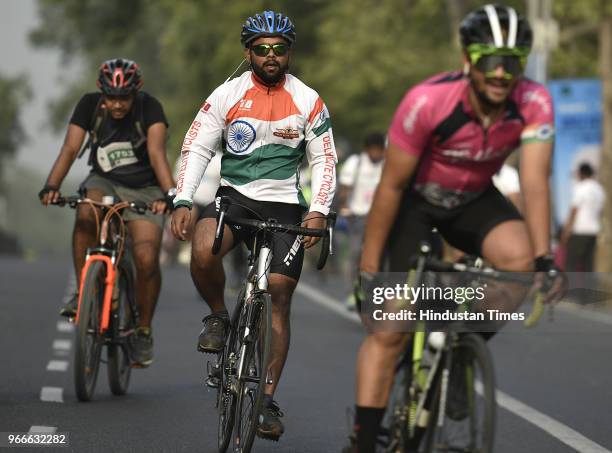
pixel 89 340
pixel 123 322
pixel 464 413
pixel 226 398
pixel 255 356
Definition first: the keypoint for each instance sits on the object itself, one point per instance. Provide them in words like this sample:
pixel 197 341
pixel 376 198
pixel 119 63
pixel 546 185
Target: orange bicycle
pixel 107 312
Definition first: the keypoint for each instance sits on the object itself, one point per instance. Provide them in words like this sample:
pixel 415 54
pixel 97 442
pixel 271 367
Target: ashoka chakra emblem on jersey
pixel 240 136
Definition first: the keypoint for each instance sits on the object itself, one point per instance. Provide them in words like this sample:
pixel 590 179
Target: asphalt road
pixel 555 381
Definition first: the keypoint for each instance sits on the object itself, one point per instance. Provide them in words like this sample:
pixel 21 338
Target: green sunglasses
pixel 477 51
pixel 262 50
pixel 487 57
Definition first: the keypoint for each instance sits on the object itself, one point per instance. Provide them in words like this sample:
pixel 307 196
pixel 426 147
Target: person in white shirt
pixel 358 181
pixel 584 221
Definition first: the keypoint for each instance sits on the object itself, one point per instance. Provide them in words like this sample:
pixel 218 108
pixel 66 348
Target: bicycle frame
pixel 110 257
pixel 257 282
pixel 108 289
pixel 422 381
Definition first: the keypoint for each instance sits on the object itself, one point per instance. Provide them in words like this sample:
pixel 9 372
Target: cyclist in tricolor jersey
pixel 449 136
pixel 265 122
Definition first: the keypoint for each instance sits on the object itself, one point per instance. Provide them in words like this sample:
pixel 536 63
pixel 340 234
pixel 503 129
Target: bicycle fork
pixel 255 286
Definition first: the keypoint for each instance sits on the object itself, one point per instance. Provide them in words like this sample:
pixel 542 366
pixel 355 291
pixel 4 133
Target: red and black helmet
pixel 119 76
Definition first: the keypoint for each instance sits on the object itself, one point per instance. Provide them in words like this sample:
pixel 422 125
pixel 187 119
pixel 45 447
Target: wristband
pixel 183 204
pixel 544 263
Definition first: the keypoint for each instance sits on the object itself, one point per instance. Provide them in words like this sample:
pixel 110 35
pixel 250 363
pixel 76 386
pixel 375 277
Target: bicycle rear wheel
pixel 89 340
pixel 394 432
pixel 226 399
pixel 255 350
pixel 123 322
pixel 468 421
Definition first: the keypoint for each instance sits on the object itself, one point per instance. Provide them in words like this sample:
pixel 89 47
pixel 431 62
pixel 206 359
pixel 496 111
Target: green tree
pixel 360 55
pixel 13 92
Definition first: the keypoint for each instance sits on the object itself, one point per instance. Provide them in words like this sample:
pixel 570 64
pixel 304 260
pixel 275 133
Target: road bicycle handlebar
pixel 139 207
pixel 424 262
pixel 273 226
pixel 432 264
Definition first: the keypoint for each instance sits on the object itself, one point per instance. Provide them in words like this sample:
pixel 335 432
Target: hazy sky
pixel 47 76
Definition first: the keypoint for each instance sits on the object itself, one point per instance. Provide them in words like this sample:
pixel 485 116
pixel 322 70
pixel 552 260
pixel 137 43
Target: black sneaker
pixel 457 403
pixel 141 347
pixel 212 337
pixel 69 310
pixel 270 427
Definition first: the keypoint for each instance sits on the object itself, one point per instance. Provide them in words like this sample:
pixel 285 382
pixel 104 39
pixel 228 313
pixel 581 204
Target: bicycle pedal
pixel 214 375
pixel 212 382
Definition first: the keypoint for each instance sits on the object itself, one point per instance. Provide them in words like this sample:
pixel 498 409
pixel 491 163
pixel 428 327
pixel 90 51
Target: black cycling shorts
pixel 287 248
pixel 464 227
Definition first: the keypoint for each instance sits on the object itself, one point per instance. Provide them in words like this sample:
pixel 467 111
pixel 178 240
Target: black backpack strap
pixel 94 127
pixel 139 124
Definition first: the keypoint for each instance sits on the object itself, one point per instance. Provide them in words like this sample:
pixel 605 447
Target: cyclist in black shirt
pixel 127 152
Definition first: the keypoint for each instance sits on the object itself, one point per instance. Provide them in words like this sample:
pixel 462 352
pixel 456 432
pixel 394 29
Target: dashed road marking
pixel 62 345
pixel 52 394
pixel 42 429
pixel 65 326
pixel 57 365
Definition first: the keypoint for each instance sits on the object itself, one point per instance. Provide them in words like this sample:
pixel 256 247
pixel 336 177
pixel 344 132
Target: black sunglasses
pixel 512 65
pixel 262 50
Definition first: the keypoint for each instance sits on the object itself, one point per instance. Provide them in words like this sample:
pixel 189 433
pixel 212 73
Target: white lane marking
pixel 52 394
pixel 553 427
pixel 42 429
pixel 62 345
pixel 65 326
pixel 556 429
pixel 326 301
pixel 57 365
pixel 585 313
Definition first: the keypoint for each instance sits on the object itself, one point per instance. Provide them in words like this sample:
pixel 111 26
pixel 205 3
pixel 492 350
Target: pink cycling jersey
pixel 457 155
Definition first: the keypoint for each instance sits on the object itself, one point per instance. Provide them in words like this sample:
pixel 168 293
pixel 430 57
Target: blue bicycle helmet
pixel 267 23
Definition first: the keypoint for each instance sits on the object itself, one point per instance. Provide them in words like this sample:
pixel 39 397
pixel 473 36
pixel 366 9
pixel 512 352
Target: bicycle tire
pixel 397 417
pixel 87 353
pixel 472 357
pixel 256 359
pixel 123 322
pixel 226 398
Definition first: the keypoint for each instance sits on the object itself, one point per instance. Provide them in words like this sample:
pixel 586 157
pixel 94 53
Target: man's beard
pixel 484 99
pixel 270 79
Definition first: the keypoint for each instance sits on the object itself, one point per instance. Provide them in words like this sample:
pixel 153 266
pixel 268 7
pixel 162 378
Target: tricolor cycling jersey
pixel 457 155
pixel 264 133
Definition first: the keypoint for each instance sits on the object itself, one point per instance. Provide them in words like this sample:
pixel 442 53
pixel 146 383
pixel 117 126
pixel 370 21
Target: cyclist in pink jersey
pixel 448 137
